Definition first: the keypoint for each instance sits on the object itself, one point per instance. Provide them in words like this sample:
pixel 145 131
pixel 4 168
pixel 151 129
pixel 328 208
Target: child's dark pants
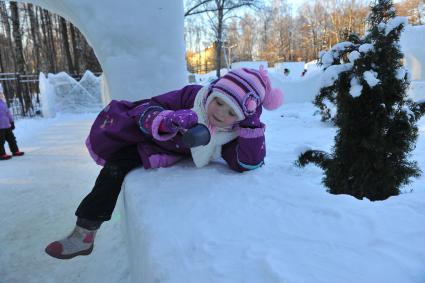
pixel 7 135
pixel 99 204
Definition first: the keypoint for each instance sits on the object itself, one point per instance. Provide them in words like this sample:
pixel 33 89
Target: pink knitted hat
pixel 246 89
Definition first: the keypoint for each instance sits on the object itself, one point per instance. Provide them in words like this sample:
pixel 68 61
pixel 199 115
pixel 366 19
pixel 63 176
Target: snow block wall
pixel 139 44
pixel 61 93
pixel 250 64
pixel 295 68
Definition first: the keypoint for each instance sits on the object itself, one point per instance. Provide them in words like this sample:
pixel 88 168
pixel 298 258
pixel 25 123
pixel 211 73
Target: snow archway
pixel 412 42
pixel 139 44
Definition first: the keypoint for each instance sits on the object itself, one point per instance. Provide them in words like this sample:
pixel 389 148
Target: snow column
pixel 412 43
pixel 139 44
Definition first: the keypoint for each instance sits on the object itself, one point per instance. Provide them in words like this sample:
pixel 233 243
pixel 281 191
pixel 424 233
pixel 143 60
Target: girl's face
pixel 220 114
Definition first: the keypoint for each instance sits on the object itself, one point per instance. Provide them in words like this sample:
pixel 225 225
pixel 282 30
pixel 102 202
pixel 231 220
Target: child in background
pixel 6 130
pixel 126 135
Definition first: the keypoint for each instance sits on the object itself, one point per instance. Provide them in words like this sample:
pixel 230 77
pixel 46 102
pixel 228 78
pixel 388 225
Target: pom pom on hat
pixel 273 99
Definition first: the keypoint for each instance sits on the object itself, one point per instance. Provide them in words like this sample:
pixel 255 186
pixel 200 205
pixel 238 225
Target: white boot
pixel 79 242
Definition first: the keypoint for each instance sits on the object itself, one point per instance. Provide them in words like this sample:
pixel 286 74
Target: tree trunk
pixel 75 48
pixel 219 45
pixel 88 55
pixel 44 39
pixel 20 62
pixel 65 40
pixel 7 27
pixel 50 41
pixel 35 37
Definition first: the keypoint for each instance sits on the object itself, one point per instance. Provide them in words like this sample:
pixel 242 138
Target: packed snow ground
pixel 274 224
pixel 39 194
pixel 296 232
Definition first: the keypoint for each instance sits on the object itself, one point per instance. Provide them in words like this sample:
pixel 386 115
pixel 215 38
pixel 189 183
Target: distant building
pixel 203 61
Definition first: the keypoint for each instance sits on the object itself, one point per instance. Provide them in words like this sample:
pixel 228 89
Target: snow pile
pixel 371 78
pixel 353 56
pixel 394 23
pixel 356 88
pixel 328 57
pixel 366 47
pixel 330 75
pixel 61 93
pixel 274 224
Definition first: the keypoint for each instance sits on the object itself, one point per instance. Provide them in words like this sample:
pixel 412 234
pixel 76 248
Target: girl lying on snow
pixel 126 135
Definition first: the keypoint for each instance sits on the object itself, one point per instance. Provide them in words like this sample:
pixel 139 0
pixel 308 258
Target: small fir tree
pixel 377 123
pixel 325 101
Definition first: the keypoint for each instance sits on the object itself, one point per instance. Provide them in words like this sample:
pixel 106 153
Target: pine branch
pixel 318 157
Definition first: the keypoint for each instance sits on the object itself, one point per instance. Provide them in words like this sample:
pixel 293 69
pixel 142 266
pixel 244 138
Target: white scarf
pixel 202 155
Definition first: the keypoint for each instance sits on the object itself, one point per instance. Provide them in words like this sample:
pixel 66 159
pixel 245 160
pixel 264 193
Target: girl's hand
pixel 252 121
pixel 12 125
pixel 179 120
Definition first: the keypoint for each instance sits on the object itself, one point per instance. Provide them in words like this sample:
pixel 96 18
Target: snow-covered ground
pixel 274 224
pixel 39 194
pixel 296 232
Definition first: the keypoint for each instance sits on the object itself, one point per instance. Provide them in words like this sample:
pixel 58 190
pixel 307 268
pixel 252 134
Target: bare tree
pixel 413 9
pixel 66 47
pixel 35 35
pixel 265 30
pixel 49 45
pixel 247 39
pixel 75 48
pixel 8 31
pixel 219 11
pixel 19 53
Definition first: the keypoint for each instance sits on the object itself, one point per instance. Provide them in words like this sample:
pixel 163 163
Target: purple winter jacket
pixel 117 126
pixel 5 116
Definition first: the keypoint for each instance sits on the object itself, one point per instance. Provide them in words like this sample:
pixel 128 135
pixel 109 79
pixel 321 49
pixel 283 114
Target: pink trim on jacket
pixel 252 133
pixel 156 124
pixel 163 160
pixel 96 158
